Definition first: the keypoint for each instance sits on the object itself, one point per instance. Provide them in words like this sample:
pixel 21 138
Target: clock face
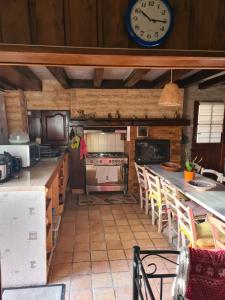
pixel 149 21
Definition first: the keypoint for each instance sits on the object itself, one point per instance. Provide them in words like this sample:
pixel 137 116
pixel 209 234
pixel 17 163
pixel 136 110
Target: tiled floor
pixel 93 256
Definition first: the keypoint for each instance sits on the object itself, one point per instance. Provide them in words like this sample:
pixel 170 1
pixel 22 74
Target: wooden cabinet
pixel 51 126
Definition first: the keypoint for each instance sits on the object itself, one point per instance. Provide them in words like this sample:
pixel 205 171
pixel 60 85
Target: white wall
pixel 107 142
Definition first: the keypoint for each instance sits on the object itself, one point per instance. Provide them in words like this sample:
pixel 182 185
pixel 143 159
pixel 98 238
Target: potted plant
pixel 189 172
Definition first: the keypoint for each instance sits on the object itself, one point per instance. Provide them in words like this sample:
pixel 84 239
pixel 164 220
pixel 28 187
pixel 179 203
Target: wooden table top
pixel 212 200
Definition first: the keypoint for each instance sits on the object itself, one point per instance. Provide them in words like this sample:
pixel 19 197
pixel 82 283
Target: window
pixel 210 122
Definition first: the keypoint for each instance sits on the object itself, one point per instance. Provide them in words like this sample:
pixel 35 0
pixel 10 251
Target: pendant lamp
pixel 171 95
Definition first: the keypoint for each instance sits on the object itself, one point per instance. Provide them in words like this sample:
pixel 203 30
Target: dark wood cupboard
pixel 51 126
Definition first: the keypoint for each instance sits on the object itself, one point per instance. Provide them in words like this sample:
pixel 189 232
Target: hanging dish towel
pixel 75 143
pixel 83 148
pixel 106 174
pixel 200 275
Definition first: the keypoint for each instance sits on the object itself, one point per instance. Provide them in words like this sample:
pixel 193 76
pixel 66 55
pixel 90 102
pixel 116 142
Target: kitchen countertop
pixel 32 179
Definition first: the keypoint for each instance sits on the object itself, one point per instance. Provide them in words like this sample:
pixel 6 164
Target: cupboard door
pixel 55 127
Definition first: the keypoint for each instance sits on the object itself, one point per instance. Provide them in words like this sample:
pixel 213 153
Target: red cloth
pixel 206 278
pixel 83 148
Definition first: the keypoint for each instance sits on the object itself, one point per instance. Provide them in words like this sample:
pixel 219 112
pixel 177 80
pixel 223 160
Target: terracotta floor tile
pixel 81 295
pixel 150 228
pixel 116 254
pixel 100 267
pixel 81 282
pixel 119 266
pixel 81 256
pixel 142 235
pixel 110 229
pixel 60 271
pixel 63 257
pixel 132 216
pixel 85 238
pixel 99 255
pixel 121 279
pixel 114 245
pixel 129 253
pixel 112 236
pixel 126 236
pixel 156 235
pixel 134 222
pixel 104 294
pixel 81 268
pixel 123 293
pixel 80 247
pixel 124 228
pixel 101 280
pixel 108 223
pixel 146 221
pixel 161 243
pixel 145 243
pixel 121 222
pixel 108 217
pixel 128 244
pixel 100 237
pixel 137 228
pixel 98 246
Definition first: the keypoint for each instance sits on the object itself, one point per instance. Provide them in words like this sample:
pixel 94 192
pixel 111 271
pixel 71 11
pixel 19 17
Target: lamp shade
pixel 171 95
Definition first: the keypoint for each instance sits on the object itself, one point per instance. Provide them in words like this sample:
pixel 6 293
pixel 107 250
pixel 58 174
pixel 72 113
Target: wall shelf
pixel 129 122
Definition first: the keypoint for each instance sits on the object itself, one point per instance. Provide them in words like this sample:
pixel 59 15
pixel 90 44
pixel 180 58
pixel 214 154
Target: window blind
pixel 210 122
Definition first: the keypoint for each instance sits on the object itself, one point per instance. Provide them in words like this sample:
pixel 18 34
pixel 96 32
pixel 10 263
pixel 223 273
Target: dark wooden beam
pixel 98 77
pixel 6 85
pixel 135 76
pixel 166 77
pixel 218 80
pixel 102 57
pixel 61 76
pixel 196 78
pixel 18 77
pixel 108 84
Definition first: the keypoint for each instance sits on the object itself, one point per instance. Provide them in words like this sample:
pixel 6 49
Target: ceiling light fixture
pixel 171 95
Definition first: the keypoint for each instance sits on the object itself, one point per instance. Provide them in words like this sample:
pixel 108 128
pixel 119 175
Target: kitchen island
pixel 29 215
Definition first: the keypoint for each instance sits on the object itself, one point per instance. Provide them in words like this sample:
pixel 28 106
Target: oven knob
pixel 113 161
pixel 100 161
pixel 110 161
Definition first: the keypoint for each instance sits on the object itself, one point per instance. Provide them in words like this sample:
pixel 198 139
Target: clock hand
pixel 151 20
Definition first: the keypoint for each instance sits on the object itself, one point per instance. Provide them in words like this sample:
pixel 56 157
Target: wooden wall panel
pixel 112 23
pixel 81 23
pixel 47 22
pixel 14 22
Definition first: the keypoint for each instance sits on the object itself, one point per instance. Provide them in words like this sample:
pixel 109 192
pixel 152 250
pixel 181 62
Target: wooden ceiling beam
pixel 18 77
pixel 98 77
pixel 61 76
pixel 6 85
pixel 135 76
pixel 196 77
pixel 108 84
pixel 165 78
pixel 218 80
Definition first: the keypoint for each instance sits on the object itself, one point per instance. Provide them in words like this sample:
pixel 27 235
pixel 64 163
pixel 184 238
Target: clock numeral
pixel 135 18
pixel 162 28
pixel 137 10
pixel 151 3
pixel 149 36
pixel 156 34
pixel 158 6
pixel 137 27
pixel 163 12
pixel 142 33
pixel 143 4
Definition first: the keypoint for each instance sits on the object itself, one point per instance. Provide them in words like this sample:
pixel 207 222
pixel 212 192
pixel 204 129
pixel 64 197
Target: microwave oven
pixel 29 153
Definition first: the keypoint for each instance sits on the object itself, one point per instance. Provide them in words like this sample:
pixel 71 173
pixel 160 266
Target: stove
pixel 106 172
pixel 107 158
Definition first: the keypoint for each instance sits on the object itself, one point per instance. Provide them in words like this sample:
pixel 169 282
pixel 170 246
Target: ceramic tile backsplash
pixel 107 142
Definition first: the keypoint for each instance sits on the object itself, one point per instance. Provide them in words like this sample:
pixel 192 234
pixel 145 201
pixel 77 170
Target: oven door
pixel 95 178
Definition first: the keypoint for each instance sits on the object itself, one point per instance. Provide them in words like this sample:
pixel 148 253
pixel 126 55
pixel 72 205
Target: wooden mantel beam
pixel 106 57
pixel 135 76
pixel 196 77
pixel 166 77
pixel 218 80
pixel 18 77
pixel 61 76
pixel 98 77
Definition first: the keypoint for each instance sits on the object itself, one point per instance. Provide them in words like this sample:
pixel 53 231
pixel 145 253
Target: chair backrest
pixel 141 176
pixel 154 187
pixel 170 194
pixel 212 174
pixel 186 224
pixel 197 168
pixel 218 229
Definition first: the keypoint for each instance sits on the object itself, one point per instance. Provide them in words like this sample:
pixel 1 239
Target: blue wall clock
pixel 149 22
